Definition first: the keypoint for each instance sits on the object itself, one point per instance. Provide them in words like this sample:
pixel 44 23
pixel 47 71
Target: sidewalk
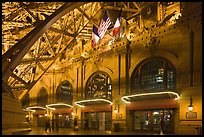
pixel 69 131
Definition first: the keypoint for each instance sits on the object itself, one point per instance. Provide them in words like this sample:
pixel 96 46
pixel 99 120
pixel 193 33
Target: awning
pixel 150 96
pixel 87 102
pixel 153 104
pixel 58 105
pixel 35 108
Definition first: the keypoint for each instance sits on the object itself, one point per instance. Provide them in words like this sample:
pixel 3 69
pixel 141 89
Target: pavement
pixel 70 131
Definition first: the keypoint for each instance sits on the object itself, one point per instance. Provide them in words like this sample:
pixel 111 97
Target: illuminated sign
pixel 146 94
pixel 90 100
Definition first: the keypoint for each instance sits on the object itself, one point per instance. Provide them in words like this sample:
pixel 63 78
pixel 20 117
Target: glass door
pixel 156 120
pixel 150 120
pixel 167 116
pixel 108 120
pixel 94 121
pixel 101 120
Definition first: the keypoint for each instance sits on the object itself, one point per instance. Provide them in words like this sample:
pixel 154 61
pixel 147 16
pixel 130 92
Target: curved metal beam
pixel 18 51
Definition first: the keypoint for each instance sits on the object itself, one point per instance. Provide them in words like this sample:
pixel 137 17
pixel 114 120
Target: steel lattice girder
pixel 17 52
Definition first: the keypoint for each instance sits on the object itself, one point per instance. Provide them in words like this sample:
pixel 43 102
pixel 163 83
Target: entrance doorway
pixel 65 120
pixel 40 120
pixel 150 120
pixel 98 120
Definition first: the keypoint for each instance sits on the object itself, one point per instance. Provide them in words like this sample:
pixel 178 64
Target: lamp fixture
pixel 190 107
pixel 72 113
pixel 115 110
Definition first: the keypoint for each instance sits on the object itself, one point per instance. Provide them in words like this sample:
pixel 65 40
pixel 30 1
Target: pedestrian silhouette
pixel 57 123
pixel 47 124
pixel 53 124
pixel 75 124
pixel 86 126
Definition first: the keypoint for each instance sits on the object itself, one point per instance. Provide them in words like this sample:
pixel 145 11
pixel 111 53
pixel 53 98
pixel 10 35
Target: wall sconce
pixel 190 107
pixel 191 114
pixel 116 109
pixel 72 113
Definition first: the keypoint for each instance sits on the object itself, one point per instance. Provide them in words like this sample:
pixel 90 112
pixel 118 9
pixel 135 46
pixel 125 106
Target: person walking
pixel 57 123
pixel 47 125
pixel 86 126
pixel 53 123
pixel 161 126
pixel 75 124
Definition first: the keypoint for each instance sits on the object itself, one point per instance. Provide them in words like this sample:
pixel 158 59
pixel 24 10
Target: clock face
pixel 99 86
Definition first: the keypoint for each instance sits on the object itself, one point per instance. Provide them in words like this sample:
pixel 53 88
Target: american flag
pixel 105 23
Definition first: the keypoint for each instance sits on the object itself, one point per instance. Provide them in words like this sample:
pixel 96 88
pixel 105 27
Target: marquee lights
pixel 35 107
pixel 89 100
pixel 146 94
pixel 28 110
pixel 57 104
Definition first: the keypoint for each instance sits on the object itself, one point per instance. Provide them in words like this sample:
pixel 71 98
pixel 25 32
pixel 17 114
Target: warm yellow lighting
pixel 178 15
pixel 115 111
pixel 57 104
pixel 72 113
pixel 146 94
pixel 28 110
pixel 51 108
pixel 60 115
pixel 35 107
pixel 89 100
pixel 190 107
pixel 26 115
pixel 46 115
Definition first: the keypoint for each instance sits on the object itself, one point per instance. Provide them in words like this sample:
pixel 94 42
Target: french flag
pixel 117 26
pixel 95 36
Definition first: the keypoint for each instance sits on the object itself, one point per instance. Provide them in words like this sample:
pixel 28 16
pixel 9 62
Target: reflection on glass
pixel 150 120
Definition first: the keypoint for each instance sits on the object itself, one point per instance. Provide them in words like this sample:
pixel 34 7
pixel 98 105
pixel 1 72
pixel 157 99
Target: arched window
pixel 99 86
pixel 64 92
pixel 26 101
pixel 42 99
pixel 153 74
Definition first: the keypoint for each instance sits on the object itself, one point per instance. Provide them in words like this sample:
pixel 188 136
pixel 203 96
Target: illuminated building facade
pixel 150 73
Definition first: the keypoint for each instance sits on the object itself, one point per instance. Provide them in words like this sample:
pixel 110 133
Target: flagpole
pixel 108 32
pixel 111 36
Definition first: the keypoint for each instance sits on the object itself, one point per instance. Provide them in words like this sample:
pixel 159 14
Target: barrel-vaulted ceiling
pixel 38 35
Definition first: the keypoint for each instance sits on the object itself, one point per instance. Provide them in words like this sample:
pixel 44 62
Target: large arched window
pixel 64 92
pixel 153 74
pixel 26 101
pixel 99 86
pixel 42 99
